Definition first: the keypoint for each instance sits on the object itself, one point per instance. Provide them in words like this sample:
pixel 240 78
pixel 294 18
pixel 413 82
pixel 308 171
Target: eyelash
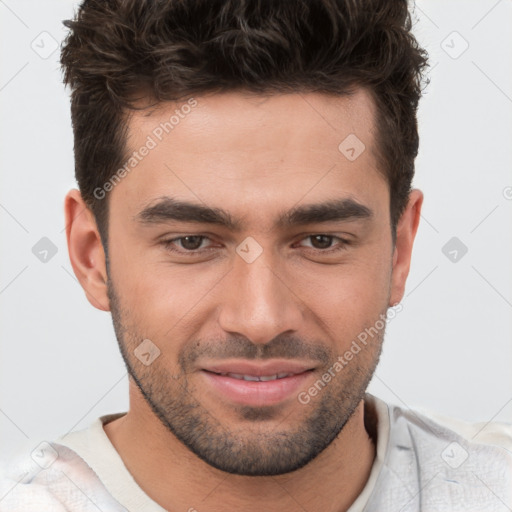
pixel 168 245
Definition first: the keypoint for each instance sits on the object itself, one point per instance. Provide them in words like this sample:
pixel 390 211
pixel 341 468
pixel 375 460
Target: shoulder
pixel 481 443
pixel 52 478
pixel 492 433
pixel 435 427
pixel 432 462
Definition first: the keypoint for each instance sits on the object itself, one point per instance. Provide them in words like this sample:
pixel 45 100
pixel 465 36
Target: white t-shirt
pixel 421 464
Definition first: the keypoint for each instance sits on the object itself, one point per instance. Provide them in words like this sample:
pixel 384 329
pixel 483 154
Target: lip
pixel 258 369
pixel 257 393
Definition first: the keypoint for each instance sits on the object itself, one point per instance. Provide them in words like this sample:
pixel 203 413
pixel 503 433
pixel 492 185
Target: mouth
pixel 256 378
pixel 246 383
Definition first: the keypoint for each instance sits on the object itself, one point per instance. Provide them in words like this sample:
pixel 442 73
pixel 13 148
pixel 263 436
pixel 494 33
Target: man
pixel 245 212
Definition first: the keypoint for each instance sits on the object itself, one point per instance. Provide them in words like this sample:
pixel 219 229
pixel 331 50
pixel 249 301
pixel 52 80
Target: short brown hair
pixel 166 50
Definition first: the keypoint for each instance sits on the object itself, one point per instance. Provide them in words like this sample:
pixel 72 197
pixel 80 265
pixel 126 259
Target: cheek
pixel 363 276
pixel 347 298
pixel 165 298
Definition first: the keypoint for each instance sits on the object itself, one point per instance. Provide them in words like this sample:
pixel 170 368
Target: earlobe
pixel 405 234
pixel 86 250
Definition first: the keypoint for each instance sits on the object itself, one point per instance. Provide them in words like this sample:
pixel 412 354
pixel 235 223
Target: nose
pixel 258 301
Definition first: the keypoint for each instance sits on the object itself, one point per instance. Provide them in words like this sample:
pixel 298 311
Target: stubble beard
pixel 262 443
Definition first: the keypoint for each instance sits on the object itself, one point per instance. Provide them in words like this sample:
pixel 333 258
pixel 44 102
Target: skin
pixel 255 158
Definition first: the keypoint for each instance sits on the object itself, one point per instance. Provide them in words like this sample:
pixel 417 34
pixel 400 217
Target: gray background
pixel 449 349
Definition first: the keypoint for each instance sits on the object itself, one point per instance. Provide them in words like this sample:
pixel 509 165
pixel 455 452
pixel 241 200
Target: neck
pixel 331 482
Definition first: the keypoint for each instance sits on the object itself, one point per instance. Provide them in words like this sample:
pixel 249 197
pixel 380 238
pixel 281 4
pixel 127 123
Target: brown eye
pixel 324 244
pixel 189 245
pixel 192 242
pixel 321 241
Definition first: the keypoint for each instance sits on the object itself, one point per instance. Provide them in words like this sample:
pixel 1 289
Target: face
pixel 249 252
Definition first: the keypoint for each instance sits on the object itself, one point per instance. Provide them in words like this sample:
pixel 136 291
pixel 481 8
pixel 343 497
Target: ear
pixel 405 233
pixel 86 250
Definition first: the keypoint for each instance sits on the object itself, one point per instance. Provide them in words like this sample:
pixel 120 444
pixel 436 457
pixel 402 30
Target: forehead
pixel 243 151
pixel 219 122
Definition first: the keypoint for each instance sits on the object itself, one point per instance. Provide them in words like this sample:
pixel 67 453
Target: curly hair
pixel 120 51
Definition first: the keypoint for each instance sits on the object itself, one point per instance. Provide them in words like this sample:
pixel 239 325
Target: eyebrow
pixel 169 209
